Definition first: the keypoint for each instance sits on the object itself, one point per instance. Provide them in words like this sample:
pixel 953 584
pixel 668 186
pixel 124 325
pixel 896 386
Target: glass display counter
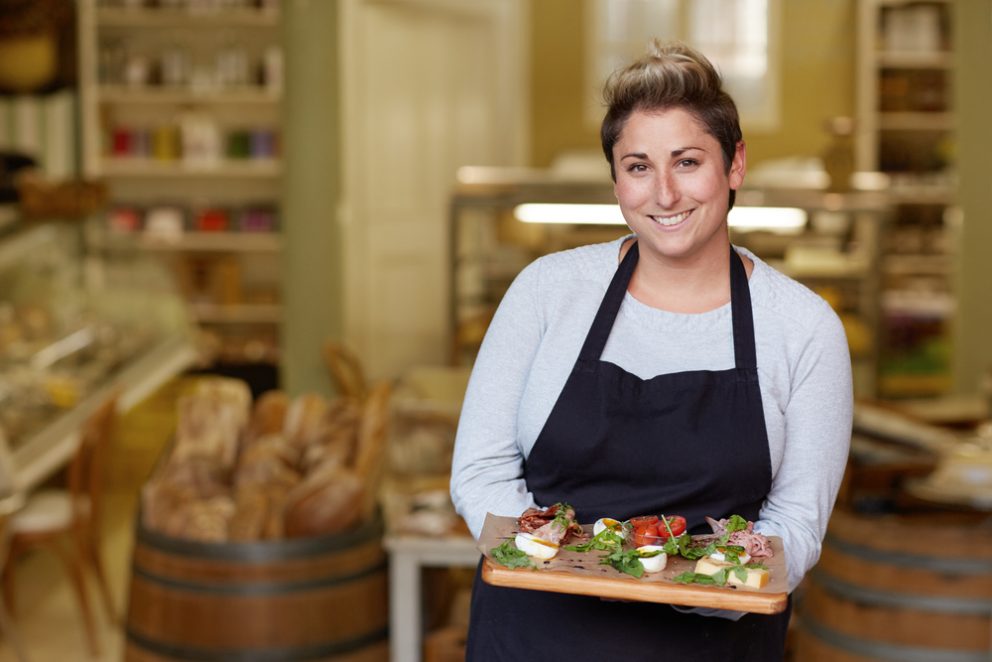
pixel 75 328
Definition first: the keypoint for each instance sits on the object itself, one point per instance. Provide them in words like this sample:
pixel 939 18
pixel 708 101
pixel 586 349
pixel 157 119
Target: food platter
pixel 581 573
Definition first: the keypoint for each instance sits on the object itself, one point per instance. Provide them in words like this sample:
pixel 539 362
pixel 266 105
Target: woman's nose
pixel 666 192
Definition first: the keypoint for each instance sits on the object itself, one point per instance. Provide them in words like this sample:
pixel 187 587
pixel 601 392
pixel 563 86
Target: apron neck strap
pixel 740 308
pixel 599 332
pixel 740 312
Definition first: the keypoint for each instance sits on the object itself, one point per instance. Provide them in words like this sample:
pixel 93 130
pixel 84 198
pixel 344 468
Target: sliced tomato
pixel 643 521
pixel 676 523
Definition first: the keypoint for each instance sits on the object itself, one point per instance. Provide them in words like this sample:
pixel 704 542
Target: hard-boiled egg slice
pixel 535 547
pixel 655 563
pixel 742 558
pixel 613 525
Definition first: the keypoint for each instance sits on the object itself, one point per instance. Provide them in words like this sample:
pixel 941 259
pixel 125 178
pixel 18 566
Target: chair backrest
pixel 346 370
pixel 85 474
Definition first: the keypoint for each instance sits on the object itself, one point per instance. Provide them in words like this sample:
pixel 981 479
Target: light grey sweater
pixel 804 372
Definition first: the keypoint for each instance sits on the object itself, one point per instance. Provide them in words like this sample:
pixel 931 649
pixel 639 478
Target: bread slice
pixel 756 577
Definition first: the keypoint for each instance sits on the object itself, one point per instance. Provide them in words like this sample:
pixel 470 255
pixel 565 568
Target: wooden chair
pixel 52 516
pixel 346 371
pixel 9 505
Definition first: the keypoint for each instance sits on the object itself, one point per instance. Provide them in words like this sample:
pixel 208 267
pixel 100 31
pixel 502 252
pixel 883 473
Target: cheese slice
pixel 756 577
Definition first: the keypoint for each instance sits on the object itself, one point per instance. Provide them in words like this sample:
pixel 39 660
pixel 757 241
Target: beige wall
pixel 817 43
pixel 973 101
pixel 556 86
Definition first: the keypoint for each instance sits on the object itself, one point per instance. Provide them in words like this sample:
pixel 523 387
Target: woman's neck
pixel 687 286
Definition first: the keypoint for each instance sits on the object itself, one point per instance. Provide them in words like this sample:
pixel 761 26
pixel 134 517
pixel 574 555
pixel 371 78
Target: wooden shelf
pixel 914 60
pixel 214 242
pixel 252 95
pixel 140 168
pixel 139 17
pixel 927 265
pixel 919 121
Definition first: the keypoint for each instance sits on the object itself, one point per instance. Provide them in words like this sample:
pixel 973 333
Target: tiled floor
pixel 48 618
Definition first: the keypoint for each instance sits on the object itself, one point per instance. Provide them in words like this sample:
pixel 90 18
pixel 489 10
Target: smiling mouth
pixel 675 219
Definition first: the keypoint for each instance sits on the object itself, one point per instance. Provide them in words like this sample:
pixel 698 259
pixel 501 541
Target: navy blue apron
pixel 690 443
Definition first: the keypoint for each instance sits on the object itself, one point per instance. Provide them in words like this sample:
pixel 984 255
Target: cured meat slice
pixel 553 524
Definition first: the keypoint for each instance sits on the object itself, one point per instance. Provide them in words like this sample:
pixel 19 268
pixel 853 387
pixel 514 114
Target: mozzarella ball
pixel 743 557
pixel 655 563
pixel 535 547
pixel 613 525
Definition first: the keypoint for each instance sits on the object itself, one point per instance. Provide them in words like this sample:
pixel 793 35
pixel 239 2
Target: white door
pixel 428 86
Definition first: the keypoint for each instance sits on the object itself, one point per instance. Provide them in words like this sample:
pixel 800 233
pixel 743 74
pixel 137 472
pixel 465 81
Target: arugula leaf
pixel 741 573
pixel 628 562
pixel 732 553
pixel 716 579
pixel 561 518
pixel 736 523
pixel 696 553
pixel 511 556
pixel 606 540
pixel 756 565
pixel 689 577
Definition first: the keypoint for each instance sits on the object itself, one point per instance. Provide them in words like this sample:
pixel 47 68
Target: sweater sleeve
pixel 487 464
pixel 818 419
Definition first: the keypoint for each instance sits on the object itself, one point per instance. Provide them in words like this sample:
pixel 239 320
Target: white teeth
pixel 671 220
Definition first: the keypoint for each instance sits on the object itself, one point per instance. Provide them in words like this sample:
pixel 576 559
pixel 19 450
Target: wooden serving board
pixel 581 573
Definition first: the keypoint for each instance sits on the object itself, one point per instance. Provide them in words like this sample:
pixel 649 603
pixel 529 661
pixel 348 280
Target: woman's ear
pixel 738 166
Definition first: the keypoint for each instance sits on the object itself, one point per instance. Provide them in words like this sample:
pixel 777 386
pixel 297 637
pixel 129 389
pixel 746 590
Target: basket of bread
pixel 279 467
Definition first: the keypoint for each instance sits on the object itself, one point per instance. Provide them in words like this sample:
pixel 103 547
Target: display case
pixel 832 246
pixel 75 328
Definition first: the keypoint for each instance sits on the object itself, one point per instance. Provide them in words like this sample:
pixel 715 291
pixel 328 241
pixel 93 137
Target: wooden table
pixel 408 555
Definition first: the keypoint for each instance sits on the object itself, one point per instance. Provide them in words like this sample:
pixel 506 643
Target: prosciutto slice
pixel 541 522
pixel 753 543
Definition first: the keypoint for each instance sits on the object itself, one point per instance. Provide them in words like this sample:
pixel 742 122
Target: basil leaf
pixel 720 577
pixel 741 573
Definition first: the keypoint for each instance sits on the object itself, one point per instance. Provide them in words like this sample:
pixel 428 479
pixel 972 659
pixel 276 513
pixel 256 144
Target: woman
pixel 690 379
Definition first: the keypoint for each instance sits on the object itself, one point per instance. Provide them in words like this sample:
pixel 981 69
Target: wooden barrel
pixel 901 589
pixel 302 599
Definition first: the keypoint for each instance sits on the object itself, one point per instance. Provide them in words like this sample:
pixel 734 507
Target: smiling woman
pixel 691 378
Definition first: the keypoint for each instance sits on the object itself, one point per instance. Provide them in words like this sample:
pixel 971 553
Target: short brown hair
pixel 671 76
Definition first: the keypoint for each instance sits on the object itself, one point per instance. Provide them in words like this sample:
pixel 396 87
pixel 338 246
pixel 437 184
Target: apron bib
pixel 691 443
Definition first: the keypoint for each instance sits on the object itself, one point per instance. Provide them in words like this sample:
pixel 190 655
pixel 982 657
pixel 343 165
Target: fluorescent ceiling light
pixel 784 219
pixel 571 214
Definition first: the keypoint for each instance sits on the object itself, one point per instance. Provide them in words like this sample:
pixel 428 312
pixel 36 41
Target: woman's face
pixel 673 186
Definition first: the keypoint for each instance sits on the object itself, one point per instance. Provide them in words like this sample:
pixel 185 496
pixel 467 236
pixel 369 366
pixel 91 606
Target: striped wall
pixel 44 127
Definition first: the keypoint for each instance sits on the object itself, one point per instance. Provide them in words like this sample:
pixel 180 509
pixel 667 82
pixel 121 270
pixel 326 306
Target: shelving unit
pixel 905 123
pixel 181 116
